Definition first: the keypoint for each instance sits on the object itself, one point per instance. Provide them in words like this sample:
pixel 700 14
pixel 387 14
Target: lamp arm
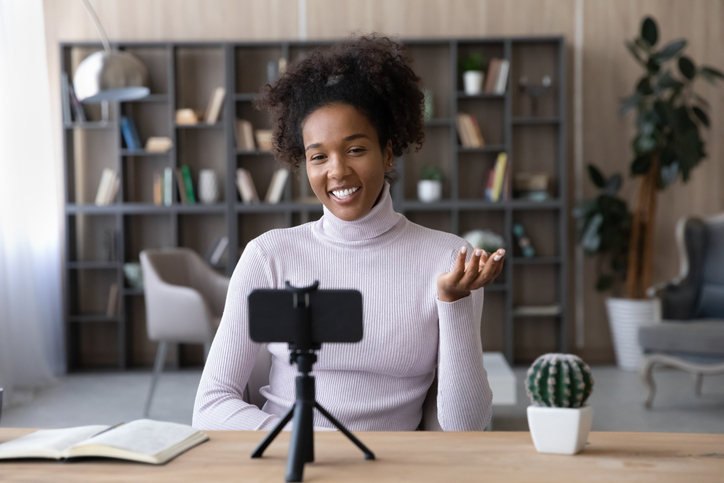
pixel 99 27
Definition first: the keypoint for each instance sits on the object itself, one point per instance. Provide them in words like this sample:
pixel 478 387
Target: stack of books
pixel 497 76
pixel 468 131
pixel 497 188
pixel 107 188
pixel 531 186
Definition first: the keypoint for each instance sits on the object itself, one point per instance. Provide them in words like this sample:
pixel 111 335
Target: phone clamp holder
pixel 301 446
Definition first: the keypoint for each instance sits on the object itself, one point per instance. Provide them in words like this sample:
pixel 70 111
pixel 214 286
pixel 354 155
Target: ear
pixel 388 157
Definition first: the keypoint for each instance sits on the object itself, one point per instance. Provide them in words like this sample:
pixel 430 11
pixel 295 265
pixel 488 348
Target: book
pixel 158 144
pixel 468 130
pixel 157 188
pixel 499 174
pixel 130 133
pixel 112 307
pixel 276 186
pixel 502 78
pixel 492 75
pixel 264 139
pixel 246 187
pixel 211 248
pixel 219 250
pixel 65 98
pixel 105 186
pixel 215 104
pixel 476 131
pixel 143 440
pixel 463 134
pixel 113 189
pixel 78 110
pixel 181 187
pixel 188 184
pixel 167 186
pixel 244 135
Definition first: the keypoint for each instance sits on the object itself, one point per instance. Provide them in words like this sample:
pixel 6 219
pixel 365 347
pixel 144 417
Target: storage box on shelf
pixel 184 75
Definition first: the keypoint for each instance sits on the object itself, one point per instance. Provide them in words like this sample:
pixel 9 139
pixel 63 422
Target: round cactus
pixel 559 381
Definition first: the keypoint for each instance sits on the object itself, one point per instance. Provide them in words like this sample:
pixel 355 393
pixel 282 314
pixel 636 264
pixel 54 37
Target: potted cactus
pixel 558 386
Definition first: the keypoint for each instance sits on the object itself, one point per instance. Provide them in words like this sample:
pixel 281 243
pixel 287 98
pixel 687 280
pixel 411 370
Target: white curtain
pixel 31 321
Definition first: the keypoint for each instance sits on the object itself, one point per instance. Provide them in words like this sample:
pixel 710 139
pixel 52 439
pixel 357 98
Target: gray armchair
pixel 184 302
pixel 690 336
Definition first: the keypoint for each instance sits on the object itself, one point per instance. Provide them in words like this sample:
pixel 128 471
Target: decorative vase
pixel 208 186
pixel 473 82
pixel 429 190
pixel 559 430
pixel 625 317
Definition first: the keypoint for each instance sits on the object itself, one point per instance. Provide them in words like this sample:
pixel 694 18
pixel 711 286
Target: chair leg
pixel 157 368
pixel 699 380
pixel 647 375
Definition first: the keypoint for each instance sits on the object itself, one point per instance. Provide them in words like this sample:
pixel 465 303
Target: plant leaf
pixel 665 81
pixel 670 50
pixel 687 67
pixel 591 239
pixel 649 32
pixel 701 115
pixel 652 65
pixel 598 180
pixel 644 144
pixel 701 100
pixel 613 184
pixel 604 283
pixel 629 103
pixel 644 86
pixel 634 51
pixel 710 74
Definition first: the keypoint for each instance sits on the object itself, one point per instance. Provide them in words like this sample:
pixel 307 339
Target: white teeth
pixel 344 193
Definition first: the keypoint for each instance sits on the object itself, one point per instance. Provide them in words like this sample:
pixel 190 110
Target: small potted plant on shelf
pixel 558 386
pixel 472 68
pixel 429 187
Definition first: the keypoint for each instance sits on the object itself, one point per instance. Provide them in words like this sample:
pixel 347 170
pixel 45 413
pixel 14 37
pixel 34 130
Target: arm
pixel 464 398
pixel 219 404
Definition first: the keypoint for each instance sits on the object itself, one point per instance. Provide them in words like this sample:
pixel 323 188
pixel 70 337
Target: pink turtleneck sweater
pixel 381 382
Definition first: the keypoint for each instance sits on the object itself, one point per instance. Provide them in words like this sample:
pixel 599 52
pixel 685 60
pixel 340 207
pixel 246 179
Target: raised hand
pixel 481 270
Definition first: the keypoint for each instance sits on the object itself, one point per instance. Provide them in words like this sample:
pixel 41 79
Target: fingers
pixel 472 269
pixel 458 270
pixel 490 270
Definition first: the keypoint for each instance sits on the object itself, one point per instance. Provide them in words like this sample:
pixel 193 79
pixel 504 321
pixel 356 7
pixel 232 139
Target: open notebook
pixel 144 440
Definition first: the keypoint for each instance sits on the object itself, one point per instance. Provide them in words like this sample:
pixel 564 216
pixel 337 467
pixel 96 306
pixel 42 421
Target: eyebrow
pixel 348 138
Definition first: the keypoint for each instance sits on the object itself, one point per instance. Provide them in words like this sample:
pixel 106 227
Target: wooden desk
pixel 408 456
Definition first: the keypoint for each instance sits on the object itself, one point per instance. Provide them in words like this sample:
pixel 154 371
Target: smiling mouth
pixel 345 193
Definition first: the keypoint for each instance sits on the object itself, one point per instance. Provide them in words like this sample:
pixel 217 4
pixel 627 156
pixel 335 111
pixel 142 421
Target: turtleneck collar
pixel 380 220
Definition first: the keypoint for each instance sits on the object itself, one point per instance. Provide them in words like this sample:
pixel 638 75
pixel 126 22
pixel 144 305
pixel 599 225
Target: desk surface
pixel 407 456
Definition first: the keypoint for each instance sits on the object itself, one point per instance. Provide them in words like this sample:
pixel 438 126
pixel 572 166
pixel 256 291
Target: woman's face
pixel 345 164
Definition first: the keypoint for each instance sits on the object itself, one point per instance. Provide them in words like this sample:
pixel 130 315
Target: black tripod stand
pixel 301 447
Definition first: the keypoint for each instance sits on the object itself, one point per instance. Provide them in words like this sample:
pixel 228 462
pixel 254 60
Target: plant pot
pixel 429 190
pixel 559 430
pixel 473 82
pixel 208 186
pixel 625 317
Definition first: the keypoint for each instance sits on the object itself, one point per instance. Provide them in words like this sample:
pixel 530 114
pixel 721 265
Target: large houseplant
pixel 666 144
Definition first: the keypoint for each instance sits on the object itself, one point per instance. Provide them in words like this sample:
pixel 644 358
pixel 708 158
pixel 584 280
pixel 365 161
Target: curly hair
pixel 371 73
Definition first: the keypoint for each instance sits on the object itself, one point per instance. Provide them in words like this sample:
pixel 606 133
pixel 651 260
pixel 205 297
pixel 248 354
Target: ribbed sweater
pixel 410 336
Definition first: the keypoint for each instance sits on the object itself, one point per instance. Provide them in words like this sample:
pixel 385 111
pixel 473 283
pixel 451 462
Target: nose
pixel 338 167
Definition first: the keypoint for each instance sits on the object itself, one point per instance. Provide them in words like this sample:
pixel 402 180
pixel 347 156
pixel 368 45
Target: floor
pixel 617 400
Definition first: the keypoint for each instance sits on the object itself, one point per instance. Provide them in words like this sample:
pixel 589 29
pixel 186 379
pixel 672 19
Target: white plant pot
pixel 473 82
pixel 429 190
pixel 625 317
pixel 559 430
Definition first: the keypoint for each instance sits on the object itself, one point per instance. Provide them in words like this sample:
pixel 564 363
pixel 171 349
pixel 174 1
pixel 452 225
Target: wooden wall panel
pixel 608 74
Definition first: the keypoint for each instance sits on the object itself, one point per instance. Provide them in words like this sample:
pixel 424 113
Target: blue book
pixel 134 134
pixel 127 134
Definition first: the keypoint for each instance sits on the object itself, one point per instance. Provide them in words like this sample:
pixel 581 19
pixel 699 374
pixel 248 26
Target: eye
pixel 357 150
pixel 317 158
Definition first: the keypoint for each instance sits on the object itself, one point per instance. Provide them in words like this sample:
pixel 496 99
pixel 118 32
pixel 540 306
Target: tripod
pixel 301 447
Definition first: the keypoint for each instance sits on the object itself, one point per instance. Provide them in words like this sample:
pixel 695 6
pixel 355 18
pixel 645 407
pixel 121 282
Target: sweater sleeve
pixel 219 404
pixel 464 397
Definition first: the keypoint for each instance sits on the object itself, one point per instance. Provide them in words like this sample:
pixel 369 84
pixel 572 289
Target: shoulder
pixel 281 240
pixel 434 239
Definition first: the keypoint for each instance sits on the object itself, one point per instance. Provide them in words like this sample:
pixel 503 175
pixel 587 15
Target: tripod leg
pixel 302 434
pixel 273 434
pixel 369 455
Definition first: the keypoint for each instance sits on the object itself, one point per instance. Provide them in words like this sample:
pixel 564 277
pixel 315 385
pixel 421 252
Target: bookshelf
pixel 100 239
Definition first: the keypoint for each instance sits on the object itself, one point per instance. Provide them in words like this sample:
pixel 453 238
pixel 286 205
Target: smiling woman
pixel 346 113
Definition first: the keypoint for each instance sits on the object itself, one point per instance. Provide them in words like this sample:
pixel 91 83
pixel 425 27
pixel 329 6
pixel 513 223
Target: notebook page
pixel 144 436
pixel 55 440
